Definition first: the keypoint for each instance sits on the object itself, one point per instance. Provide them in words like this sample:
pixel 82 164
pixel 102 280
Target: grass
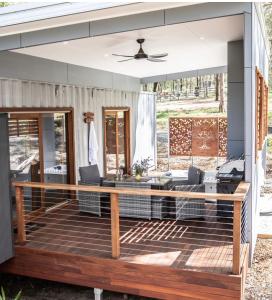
pixel 162 116
pixel 269 144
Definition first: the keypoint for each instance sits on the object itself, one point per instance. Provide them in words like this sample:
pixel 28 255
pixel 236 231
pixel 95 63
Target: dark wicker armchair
pixel 187 208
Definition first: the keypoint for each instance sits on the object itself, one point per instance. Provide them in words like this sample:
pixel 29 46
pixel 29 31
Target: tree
pixel 155 87
pixel 221 93
pixel 216 87
pixel 268 20
pixel 2 4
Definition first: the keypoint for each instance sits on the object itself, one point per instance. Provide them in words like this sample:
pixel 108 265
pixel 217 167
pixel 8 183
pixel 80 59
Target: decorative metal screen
pixel 195 136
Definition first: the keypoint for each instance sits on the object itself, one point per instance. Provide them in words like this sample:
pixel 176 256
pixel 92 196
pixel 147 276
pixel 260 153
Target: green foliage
pixel 3 295
pixel 162 116
pixel 268 20
pixel 2 4
pixel 269 145
pixel 140 167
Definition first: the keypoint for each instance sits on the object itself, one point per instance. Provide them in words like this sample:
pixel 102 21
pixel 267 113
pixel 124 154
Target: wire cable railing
pixel 181 229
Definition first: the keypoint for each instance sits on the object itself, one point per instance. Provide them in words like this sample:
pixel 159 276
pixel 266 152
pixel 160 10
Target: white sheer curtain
pixel 145 144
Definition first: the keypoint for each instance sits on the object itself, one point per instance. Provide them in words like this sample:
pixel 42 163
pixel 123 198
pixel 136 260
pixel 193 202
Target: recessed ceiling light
pixel 65 43
pixel 106 55
pixel 202 38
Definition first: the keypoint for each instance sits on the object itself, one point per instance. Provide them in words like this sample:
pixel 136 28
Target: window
pixel 116 140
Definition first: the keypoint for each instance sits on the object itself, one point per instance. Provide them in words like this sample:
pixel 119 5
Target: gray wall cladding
pixel 26 67
pixel 235 98
pixel 6 242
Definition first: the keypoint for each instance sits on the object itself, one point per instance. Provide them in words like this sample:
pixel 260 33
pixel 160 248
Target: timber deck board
pixel 194 245
pixel 112 274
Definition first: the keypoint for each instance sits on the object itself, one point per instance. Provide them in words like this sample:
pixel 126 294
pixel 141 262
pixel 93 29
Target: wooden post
pixel 115 226
pixel 237 237
pixel 20 211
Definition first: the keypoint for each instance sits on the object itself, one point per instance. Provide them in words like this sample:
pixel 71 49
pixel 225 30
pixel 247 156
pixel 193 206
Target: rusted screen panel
pixel 180 136
pixel 205 137
pixel 198 136
pixel 222 137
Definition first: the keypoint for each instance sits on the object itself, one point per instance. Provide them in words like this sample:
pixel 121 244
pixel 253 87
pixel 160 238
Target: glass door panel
pixel 121 139
pixel 110 141
pixel 25 156
pixel 41 151
pixel 55 148
pixel 116 143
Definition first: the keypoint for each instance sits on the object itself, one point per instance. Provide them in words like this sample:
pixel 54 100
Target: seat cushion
pixel 89 174
pixel 194 175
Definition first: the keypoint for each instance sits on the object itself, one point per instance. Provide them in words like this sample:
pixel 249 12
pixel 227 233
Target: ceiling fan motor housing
pixel 141 54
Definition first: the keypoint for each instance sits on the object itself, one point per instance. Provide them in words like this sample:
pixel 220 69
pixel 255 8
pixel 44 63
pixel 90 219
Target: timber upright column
pixel 115 226
pixel 6 241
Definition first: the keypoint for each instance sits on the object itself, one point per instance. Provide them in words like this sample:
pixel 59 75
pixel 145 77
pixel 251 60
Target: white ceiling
pixel 191 46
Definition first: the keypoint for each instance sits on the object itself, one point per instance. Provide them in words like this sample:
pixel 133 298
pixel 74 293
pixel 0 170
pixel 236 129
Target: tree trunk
pixel 205 87
pixel 216 87
pixel 221 93
pixel 155 87
pixel 145 87
pixel 181 86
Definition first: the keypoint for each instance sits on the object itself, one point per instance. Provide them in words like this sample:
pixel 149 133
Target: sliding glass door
pixel 25 147
pixel 55 147
pixel 41 150
pixel 116 140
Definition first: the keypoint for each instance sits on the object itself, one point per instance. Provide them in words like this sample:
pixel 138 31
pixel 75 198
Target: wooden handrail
pixel 237 196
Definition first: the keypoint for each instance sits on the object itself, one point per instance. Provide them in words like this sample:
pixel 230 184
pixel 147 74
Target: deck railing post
pixel 20 215
pixel 236 259
pixel 115 226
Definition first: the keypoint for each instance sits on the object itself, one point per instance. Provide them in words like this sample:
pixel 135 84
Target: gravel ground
pixel 259 279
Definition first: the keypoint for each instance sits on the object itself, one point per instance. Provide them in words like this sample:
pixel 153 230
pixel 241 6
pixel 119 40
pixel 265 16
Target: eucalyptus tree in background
pixel 268 20
pixel 221 93
pixel 2 4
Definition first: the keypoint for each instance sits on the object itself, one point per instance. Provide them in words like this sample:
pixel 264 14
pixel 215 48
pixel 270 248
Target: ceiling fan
pixel 142 55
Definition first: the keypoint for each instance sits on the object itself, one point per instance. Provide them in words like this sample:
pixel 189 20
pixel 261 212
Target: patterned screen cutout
pixel 198 136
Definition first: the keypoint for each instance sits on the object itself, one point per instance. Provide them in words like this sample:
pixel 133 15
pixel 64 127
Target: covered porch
pixel 155 237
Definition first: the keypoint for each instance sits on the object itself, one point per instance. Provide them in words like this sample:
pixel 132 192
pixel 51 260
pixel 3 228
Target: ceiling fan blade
pixel 155 59
pixel 125 60
pixel 158 55
pixel 123 55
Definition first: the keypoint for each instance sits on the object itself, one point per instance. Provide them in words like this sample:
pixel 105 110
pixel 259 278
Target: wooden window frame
pixel 70 146
pixel 127 135
pixel 261 111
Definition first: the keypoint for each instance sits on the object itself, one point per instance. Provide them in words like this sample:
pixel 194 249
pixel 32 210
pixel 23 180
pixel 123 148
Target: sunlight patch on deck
pixel 211 258
pixel 161 259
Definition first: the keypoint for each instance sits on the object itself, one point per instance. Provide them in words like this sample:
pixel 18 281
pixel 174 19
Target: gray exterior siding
pixel 125 23
pixel 26 67
pixel 61 85
pixel 235 110
pixel 257 55
pixel 6 240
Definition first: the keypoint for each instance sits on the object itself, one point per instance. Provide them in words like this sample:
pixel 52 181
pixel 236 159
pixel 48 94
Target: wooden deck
pixel 165 259
pixel 194 245
pixel 159 282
